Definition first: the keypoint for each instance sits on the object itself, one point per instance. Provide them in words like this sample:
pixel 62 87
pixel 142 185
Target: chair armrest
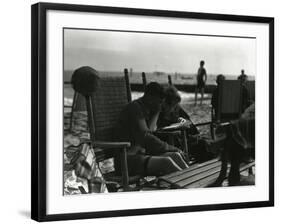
pixel 166 133
pixel 204 123
pixel 124 166
pixel 224 124
pixel 111 145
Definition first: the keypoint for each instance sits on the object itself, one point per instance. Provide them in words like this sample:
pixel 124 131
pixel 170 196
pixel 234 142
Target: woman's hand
pixel 181 120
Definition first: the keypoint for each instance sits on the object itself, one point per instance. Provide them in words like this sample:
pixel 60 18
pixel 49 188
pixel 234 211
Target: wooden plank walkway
pixel 198 175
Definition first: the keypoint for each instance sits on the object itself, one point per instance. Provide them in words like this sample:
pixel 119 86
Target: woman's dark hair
pixel 154 89
pixel 220 77
pixel 172 95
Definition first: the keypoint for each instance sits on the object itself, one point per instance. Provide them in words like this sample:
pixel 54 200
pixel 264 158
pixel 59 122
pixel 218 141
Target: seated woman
pixel 148 155
pixel 171 113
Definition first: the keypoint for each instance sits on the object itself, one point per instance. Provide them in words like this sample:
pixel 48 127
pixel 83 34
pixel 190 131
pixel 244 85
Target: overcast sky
pixel 114 51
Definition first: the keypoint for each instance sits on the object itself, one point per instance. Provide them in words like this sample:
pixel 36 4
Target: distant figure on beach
pixel 243 77
pixel 126 72
pixel 144 82
pixel 246 102
pixel 148 155
pixel 201 81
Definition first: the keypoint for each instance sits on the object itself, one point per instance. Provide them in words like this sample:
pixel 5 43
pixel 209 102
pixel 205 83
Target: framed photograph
pixel 141 111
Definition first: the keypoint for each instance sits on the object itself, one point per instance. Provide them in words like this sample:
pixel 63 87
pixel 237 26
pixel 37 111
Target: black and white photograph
pixel 139 111
pixel 151 111
pixel 143 111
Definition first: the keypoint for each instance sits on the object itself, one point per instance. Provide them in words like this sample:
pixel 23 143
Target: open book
pixel 175 126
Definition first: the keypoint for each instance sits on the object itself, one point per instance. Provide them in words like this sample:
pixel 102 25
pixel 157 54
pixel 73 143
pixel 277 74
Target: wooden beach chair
pixel 103 109
pixel 229 109
pixel 107 102
pixel 250 86
pixel 212 173
pixel 229 106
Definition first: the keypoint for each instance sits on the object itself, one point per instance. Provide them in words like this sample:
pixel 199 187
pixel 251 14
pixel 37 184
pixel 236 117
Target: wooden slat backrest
pixel 250 85
pixel 230 97
pixel 108 102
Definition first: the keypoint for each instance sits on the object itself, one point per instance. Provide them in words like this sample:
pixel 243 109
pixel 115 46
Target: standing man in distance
pixel 243 77
pixel 201 81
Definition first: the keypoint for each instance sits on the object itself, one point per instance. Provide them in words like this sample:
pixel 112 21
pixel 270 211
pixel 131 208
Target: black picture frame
pixel 39 123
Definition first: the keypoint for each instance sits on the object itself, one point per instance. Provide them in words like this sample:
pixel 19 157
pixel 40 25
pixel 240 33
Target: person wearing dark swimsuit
pixel 201 81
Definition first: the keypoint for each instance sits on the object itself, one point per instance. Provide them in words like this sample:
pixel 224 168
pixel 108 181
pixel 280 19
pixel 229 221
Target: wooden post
pixel 170 80
pixel 128 87
pixel 212 125
pixel 185 146
pixel 124 167
pixel 241 99
pixel 143 80
pixel 220 97
pixel 72 109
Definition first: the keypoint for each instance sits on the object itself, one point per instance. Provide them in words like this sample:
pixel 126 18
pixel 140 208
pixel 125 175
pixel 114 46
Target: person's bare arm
pixel 152 124
pixel 142 125
pixel 152 142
